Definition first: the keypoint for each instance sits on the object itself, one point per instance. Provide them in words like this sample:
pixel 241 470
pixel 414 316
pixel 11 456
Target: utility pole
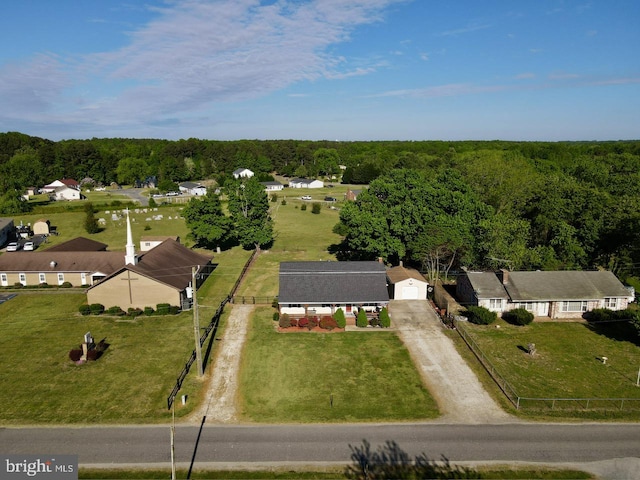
pixel 196 321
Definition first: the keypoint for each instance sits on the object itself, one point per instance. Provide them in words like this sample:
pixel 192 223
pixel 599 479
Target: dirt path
pixel 219 405
pixel 455 387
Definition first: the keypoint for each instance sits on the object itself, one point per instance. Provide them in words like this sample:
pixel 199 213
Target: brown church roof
pixel 48 261
pixel 78 244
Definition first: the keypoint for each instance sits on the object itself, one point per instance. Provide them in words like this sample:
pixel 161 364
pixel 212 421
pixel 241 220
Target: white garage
pixel 406 284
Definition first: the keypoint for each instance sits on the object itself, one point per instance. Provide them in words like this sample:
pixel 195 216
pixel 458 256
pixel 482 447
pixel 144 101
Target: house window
pixel 23 278
pixel 574 306
pixel 495 303
pixel 295 305
pixel 526 305
pixel 42 278
pixel 611 303
pixel 3 279
pixel 60 278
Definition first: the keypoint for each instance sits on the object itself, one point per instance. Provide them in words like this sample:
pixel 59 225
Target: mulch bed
pixel 305 329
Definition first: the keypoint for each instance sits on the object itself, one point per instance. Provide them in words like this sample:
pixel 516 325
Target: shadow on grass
pixel 621 330
pixel 390 461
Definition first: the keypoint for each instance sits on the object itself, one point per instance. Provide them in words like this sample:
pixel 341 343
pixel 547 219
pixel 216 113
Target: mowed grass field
pixel 129 384
pixel 568 364
pixel 328 377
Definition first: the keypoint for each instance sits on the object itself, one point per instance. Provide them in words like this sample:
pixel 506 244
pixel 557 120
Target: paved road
pixel 307 444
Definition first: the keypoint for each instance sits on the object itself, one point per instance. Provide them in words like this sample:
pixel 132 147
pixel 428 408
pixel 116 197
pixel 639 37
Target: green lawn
pixel 568 360
pixel 130 383
pixel 329 377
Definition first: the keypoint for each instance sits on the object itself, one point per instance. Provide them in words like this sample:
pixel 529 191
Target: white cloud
pixel 195 53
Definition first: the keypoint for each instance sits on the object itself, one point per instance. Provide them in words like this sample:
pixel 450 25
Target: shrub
pixel 85 309
pixel 285 321
pixel 303 322
pixel 315 208
pixel 303 207
pixel 75 355
pixel 274 302
pixel 174 309
pixel 374 322
pixel 115 310
pixel 276 316
pixel 152 203
pixel 147 228
pixel 96 308
pixel 340 319
pixel 66 285
pixel 163 308
pixel 518 316
pixel 274 198
pixel 328 323
pixel 314 322
pixel 385 319
pixel 294 322
pixel 134 312
pixel 18 285
pixel 148 311
pixel 361 319
pixel 283 202
pixel 44 285
pixel 480 315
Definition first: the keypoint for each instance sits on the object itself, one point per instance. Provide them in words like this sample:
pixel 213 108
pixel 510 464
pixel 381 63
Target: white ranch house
pixel 305 183
pixel 555 294
pixel 242 173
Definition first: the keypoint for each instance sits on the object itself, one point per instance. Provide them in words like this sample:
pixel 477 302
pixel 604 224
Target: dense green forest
pixel 522 205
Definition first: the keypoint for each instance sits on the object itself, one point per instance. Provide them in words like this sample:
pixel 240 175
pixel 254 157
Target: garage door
pixel 409 293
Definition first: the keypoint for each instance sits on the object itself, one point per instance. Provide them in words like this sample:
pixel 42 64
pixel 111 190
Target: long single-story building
pixel 320 288
pixel 554 294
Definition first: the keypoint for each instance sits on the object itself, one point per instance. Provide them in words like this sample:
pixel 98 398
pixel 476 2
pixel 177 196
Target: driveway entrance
pixel 455 387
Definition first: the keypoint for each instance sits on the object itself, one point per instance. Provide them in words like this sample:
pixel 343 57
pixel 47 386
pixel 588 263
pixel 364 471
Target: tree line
pixel 439 204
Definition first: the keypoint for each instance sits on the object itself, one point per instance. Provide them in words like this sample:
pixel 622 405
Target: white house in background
pixel 65 182
pixel 149 242
pixel 406 284
pixel 305 183
pixel 272 186
pixel 242 173
pixel 66 193
pixel 192 188
pixel 554 294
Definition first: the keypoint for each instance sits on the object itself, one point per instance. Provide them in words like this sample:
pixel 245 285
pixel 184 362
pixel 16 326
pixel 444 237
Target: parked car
pixel 13 247
pixel 173 194
pixel 28 246
pixel 330 199
pixel 306 197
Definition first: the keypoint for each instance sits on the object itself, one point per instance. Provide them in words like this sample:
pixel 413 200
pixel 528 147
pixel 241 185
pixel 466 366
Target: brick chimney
pixel 503 276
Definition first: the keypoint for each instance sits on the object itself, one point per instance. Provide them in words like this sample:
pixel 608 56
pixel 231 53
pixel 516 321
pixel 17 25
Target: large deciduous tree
pixel 209 226
pixel 249 209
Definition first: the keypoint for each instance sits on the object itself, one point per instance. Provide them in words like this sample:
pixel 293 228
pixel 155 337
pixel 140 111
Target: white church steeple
pixel 130 257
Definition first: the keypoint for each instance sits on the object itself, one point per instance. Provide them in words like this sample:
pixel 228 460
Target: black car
pixel 330 199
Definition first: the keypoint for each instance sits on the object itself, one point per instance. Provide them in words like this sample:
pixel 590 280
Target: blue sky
pixel 321 69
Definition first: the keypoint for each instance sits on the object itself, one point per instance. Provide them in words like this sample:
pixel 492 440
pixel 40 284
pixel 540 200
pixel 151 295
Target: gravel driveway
pixel 456 389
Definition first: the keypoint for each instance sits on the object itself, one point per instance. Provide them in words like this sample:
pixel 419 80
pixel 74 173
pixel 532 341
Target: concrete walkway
pixel 455 387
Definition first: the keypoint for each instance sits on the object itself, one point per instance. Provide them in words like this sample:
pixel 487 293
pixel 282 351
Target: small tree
pixel 361 320
pixel 284 321
pixel 90 222
pixel 340 319
pixel 480 315
pixel 152 203
pixel 385 319
pixel 315 208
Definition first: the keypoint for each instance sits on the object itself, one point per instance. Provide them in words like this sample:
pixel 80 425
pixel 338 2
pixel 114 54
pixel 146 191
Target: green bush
pixel 148 311
pixel 340 319
pixel 361 319
pixel 134 312
pixel 66 285
pixel 385 319
pixel 315 208
pixel 163 308
pixel 96 308
pixel 276 316
pixel 374 322
pixel 85 309
pixel 480 315
pixel 328 323
pixel 283 202
pixel 115 310
pixel 18 285
pixel 284 321
pixel 518 316
pixel 303 207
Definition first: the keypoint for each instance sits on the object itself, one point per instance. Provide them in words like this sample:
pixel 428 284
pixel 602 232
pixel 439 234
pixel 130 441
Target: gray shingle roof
pixel 487 285
pixel 564 285
pixel 333 282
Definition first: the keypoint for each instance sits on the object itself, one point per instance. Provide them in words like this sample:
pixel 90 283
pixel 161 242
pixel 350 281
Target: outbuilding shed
pixel 406 284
